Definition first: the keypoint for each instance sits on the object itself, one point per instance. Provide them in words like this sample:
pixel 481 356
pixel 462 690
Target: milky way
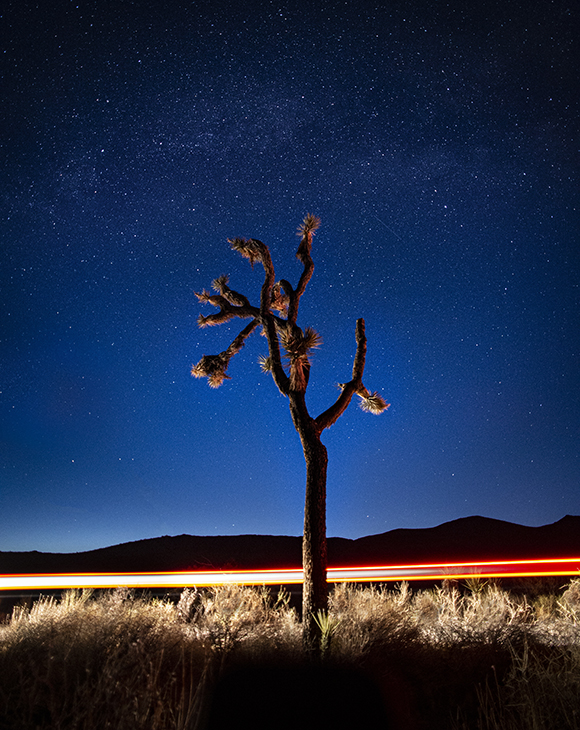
pixel 439 147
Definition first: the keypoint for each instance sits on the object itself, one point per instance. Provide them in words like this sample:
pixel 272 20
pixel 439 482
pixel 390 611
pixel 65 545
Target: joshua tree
pixel 276 316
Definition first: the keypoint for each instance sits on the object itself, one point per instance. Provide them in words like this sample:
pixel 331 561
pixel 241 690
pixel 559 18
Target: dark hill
pixel 463 540
pixel 469 539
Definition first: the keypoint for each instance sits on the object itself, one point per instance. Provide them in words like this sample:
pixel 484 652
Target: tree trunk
pixel 314 556
pixel 314 589
pixel 280 330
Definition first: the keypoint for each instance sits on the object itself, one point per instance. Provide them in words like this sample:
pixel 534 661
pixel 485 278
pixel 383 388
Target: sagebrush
pixel 451 657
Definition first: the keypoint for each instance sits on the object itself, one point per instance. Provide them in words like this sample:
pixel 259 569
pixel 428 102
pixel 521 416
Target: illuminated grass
pixel 453 657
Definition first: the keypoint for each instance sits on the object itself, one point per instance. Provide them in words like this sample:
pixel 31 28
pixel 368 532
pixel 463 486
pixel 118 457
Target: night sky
pixel 438 143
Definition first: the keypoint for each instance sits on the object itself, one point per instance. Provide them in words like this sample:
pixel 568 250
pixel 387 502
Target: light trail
pixel 366 574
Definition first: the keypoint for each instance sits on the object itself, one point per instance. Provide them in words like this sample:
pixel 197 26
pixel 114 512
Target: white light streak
pixel 378 574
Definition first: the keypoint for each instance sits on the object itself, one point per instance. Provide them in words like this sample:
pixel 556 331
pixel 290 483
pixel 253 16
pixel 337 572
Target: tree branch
pixel 240 340
pixel 280 299
pixel 306 230
pixel 255 250
pixel 213 367
pixel 269 322
pixel 358 366
pixel 227 309
pixel 233 297
pixel 371 402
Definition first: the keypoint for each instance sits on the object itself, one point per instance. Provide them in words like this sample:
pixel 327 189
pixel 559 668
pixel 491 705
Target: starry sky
pixel 438 143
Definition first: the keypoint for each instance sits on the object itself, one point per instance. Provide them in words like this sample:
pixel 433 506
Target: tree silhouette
pixel 277 315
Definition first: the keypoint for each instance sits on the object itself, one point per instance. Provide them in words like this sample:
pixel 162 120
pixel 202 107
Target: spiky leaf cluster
pixel 306 231
pixel 373 403
pixel 227 295
pixel 250 248
pixel 212 367
pixel 220 283
pixel 265 363
pixel 309 225
pixel 298 344
pixel 206 298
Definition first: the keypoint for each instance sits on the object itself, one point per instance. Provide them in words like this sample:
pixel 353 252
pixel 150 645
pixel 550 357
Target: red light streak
pixel 378 574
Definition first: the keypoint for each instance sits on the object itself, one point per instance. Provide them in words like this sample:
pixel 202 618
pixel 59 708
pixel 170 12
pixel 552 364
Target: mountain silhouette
pixel 469 539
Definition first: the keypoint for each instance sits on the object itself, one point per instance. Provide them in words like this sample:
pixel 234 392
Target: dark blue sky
pixel 439 145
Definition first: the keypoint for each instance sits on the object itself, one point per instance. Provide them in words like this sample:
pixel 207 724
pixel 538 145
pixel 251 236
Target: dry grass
pixel 111 663
pixel 477 658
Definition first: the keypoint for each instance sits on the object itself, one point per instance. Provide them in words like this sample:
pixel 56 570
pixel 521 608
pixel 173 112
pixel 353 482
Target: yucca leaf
pixel 204 296
pixel 202 321
pixel 298 344
pixel 310 224
pixel 311 339
pixel 250 248
pixel 373 403
pixel 265 363
pixel 219 283
pixel 212 367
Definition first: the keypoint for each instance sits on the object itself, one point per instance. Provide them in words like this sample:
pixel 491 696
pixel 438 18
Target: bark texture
pixel 314 553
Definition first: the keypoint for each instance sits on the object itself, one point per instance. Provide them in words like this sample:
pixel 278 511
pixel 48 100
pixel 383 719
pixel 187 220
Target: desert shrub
pixel 486 616
pixel 83 663
pixel 240 623
pixel 539 691
pixel 571 598
pixel 477 658
pixel 440 647
pixel 558 618
pixel 545 606
pixel 370 618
